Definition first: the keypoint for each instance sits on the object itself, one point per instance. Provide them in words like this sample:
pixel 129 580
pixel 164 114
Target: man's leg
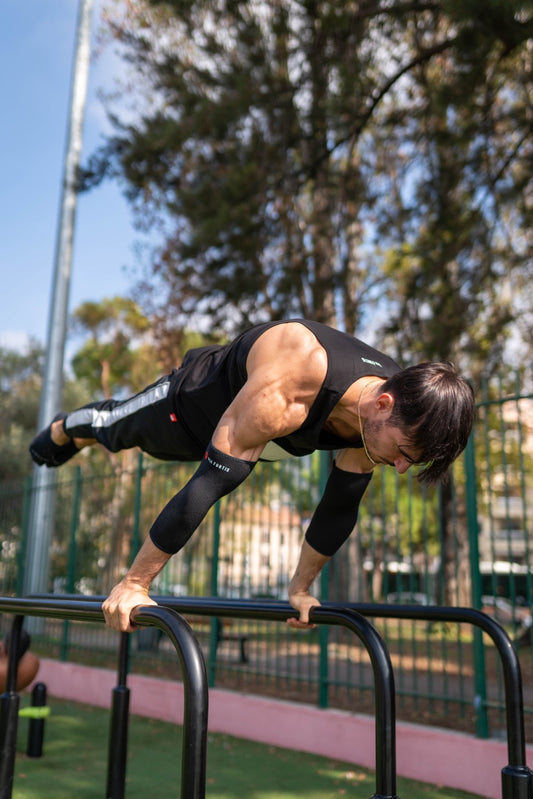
pixel 146 420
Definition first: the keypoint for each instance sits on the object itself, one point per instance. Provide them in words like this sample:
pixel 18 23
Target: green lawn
pixel 74 765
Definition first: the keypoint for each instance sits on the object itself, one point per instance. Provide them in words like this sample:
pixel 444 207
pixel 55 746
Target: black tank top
pixel 210 377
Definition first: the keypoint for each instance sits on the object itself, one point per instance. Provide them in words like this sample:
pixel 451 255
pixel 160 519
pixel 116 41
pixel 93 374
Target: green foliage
pixel 457 240
pixel 20 387
pixel 115 354
pixel 333 160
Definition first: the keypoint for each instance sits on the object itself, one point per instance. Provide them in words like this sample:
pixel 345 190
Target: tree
pixel 458 166
pixel 20 387
pixel 456 159
pixel 108 359
pixel 334 160
pixel 20 390
pixel 262 155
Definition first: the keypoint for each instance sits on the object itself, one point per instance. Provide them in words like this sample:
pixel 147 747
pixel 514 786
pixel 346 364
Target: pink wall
pixel 434 755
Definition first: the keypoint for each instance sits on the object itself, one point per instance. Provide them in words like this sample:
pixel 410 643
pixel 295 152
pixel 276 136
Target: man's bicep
pixel 258 414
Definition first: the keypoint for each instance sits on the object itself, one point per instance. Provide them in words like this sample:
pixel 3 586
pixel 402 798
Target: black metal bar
pixel 385 728
pixel 516 743
pixel 194 748
pixel 509 659
pixel 34 747
pixel 118 730
pixel 13 654
pixel 517 778
pixel 385 701
pixel 194 680
pixel 9 712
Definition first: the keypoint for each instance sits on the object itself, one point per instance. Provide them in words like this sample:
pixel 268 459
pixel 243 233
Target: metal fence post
pixel 135 538
pixel 482 724
pixel 323 632
pixel 214 626
pixel 71 566
pixel 21 560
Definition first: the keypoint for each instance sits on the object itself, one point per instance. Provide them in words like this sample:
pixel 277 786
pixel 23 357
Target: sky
pixel 37 45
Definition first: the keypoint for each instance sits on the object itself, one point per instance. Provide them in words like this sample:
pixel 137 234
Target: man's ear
pixel 384 406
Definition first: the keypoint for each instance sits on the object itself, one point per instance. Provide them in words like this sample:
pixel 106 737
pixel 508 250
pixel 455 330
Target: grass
pixel 74 764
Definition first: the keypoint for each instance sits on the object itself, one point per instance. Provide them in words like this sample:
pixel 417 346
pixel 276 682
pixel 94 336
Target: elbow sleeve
pixel 336 514
pixel 217 475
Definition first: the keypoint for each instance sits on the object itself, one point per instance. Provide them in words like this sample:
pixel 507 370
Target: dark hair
pixel 435 409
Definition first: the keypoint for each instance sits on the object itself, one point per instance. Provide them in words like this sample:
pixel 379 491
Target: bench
pixel 224 633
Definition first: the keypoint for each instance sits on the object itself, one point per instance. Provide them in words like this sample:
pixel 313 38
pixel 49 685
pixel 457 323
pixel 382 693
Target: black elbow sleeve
pixel 336 513
pixel 217 475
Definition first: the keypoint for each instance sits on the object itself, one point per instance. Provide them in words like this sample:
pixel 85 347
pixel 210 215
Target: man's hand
pixel 132 591
pixel 309 567
pixel 302 601
pixel 120 606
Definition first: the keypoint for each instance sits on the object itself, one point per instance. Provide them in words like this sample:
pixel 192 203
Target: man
pixel 28 663
pixel 280 389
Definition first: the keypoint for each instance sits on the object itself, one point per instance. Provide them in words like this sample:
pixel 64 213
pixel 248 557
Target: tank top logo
pixel 373 363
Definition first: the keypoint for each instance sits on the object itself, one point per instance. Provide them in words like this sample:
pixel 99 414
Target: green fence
pixel 469 543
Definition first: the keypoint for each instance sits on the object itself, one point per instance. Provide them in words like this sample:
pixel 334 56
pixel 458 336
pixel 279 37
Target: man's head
pixel 435 409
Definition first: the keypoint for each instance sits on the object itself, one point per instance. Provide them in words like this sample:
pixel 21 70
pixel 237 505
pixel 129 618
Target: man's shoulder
pixel 341 345
pixel 289 348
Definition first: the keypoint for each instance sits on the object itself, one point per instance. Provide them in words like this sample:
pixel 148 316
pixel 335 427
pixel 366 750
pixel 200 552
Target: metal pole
pixel 9 711
pixel 196 700
pixel 42 507
pixel 482 722
pixel 323 630
pixel 71 562
pixel 214 625
pixel 118 733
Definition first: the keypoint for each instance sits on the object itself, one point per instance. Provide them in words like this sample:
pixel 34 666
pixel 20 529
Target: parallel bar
pixel 517 778
pixel 9 711
pixel 194 682
pixel 510 663
pixel 512 676
pixel 118 732
pixel 194 749
pixel 385 700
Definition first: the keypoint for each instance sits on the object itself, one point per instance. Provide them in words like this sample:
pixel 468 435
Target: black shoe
pixel 45 453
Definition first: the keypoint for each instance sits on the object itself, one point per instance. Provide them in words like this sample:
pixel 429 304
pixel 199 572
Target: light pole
pixel 41 517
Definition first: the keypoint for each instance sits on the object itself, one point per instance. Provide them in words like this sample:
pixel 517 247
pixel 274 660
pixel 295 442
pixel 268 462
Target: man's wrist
pixel 136 582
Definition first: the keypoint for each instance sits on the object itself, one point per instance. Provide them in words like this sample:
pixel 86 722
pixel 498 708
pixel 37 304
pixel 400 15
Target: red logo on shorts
pixel 173 417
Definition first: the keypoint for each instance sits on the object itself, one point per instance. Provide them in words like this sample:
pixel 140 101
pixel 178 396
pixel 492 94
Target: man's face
pixel 388 445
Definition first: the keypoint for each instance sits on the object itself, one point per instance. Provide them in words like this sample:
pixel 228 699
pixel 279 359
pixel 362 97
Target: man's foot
pixel 45 452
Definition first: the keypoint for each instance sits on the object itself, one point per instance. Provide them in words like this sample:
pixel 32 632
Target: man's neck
pixel 344 418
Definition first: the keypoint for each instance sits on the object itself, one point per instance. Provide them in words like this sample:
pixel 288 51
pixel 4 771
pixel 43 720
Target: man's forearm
pixel 149 562
pixel 310 564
